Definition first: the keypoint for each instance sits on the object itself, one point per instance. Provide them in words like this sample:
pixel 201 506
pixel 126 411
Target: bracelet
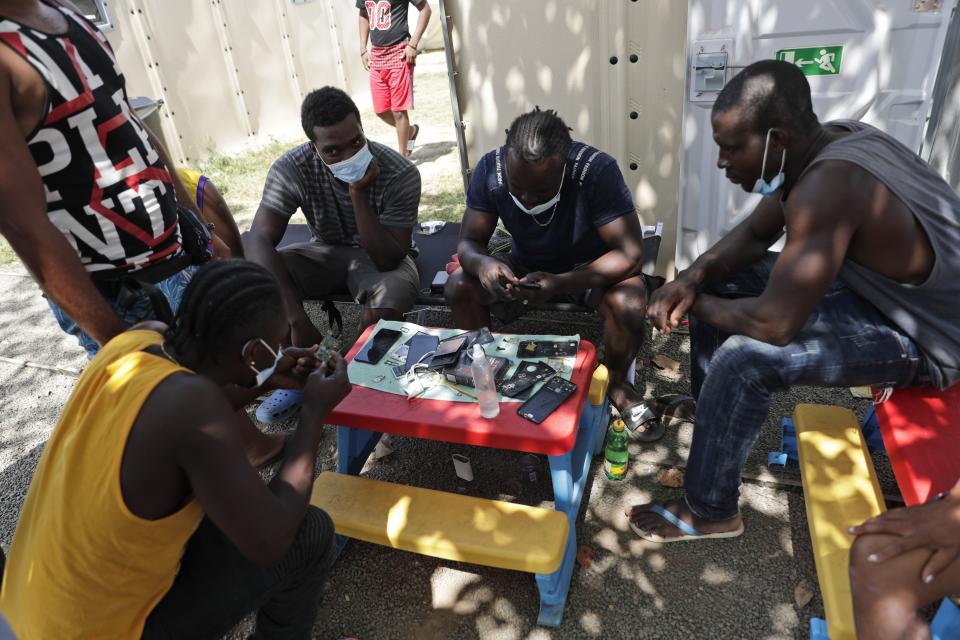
pixel 412 46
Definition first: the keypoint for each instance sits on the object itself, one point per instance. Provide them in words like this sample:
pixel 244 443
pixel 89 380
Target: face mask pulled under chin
pixel 763 187
pixel 354 167
pixel 264 374
pixel 541 208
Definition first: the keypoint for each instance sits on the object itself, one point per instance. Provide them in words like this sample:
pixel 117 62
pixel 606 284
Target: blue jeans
pixel 172 288
pixel 846 342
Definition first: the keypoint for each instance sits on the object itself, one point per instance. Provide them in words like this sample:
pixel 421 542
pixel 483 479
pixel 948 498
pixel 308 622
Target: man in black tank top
pixel 866 276
pixel 87 194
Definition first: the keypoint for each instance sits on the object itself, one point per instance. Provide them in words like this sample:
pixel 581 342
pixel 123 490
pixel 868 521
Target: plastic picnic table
pixel 569 437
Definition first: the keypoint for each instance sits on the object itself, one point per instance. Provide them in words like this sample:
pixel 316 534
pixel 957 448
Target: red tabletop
pixel 921 432
pixel 374 410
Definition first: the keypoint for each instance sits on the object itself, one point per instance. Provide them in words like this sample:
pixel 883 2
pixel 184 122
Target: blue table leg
pixel 569 473
pixel 598 418
pixel 353 448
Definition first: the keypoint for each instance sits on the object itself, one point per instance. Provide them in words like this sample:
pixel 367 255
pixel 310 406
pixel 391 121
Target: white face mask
pixel 541 208
pixel 763 187
pixel 354 167
pixel 264 374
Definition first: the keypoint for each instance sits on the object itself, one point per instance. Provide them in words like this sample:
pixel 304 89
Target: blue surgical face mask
pixel 541 208
pixel 763 187
pixel 264 374
pixel 354 167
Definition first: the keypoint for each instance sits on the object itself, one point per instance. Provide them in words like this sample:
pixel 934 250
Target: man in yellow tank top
pixel 145 516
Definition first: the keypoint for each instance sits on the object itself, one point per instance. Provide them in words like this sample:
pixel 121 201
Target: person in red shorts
pixel 390 58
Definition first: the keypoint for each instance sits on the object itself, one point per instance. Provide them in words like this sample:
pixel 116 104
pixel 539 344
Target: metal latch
pixel 709 72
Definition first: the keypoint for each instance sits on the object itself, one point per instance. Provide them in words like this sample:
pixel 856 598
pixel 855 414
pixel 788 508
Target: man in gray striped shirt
pixel 360 199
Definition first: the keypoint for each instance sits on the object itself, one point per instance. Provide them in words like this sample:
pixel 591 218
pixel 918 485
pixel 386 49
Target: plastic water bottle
pixel 615 454
pixel 484 384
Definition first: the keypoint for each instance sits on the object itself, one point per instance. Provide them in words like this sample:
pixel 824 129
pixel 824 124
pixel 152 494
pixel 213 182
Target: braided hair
pixel 537 135
pixel 226 301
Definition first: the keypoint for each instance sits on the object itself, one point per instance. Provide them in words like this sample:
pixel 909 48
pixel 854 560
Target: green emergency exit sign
pixel 814 61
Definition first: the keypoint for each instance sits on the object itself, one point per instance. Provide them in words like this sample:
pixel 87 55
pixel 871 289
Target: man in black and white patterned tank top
pixel 85 194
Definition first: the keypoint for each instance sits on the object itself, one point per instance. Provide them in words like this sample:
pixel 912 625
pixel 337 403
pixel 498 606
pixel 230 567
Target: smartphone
pixel 421 348
pixel 377 346
pixel 448 351
pixel 520 284
pixel 526 285
pixel 546 349
pixel 528 374
pixel 544 402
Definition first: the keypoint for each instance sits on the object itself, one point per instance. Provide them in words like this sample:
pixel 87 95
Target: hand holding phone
pixel 491 274
pixel 520 284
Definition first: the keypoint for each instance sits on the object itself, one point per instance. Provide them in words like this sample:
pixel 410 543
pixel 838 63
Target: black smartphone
pixel 448 351
pixel 546 349
pixel 544 402
pixel 377 346
pixel 520 284
pixel 528 373
pixel 421 348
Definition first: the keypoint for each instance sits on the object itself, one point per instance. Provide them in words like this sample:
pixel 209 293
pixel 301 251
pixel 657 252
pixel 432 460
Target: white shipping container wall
pixel 624 74
pixel 233 72
pixel 613 70
pixel 874 60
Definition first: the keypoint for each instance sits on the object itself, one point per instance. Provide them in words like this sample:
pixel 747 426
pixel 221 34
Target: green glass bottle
pixel 615 455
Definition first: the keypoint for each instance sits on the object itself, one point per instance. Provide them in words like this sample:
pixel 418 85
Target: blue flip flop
pixel 282 404
pixel 689 532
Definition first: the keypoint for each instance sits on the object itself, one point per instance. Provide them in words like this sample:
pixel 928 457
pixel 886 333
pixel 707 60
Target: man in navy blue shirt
pixel 575 234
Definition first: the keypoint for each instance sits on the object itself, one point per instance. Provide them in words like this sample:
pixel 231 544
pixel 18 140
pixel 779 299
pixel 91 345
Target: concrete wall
pixel 613 69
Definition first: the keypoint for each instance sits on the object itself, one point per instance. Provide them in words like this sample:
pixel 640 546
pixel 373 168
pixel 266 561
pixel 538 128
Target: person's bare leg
pixel 624 309
pixel 468 300
pixel 887 595
pixel 403 130
pixel 387 117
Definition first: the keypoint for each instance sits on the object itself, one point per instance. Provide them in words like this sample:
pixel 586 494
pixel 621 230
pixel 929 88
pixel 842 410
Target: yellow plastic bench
pixel 840 489
pixel 444 525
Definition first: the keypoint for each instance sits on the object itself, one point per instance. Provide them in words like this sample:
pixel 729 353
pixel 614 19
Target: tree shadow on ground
pixel 430 151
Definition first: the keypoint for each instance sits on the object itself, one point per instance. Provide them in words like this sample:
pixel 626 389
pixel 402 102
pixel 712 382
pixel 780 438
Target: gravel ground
pixel 742 588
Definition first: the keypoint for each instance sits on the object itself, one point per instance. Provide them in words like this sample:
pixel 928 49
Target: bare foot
pixel 266 448
pixel 650 522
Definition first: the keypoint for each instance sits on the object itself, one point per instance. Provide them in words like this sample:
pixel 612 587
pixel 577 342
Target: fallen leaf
pixel 585 557
pixel 661 361
pixel 667 368
pixel 802 594
pixel 671 477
